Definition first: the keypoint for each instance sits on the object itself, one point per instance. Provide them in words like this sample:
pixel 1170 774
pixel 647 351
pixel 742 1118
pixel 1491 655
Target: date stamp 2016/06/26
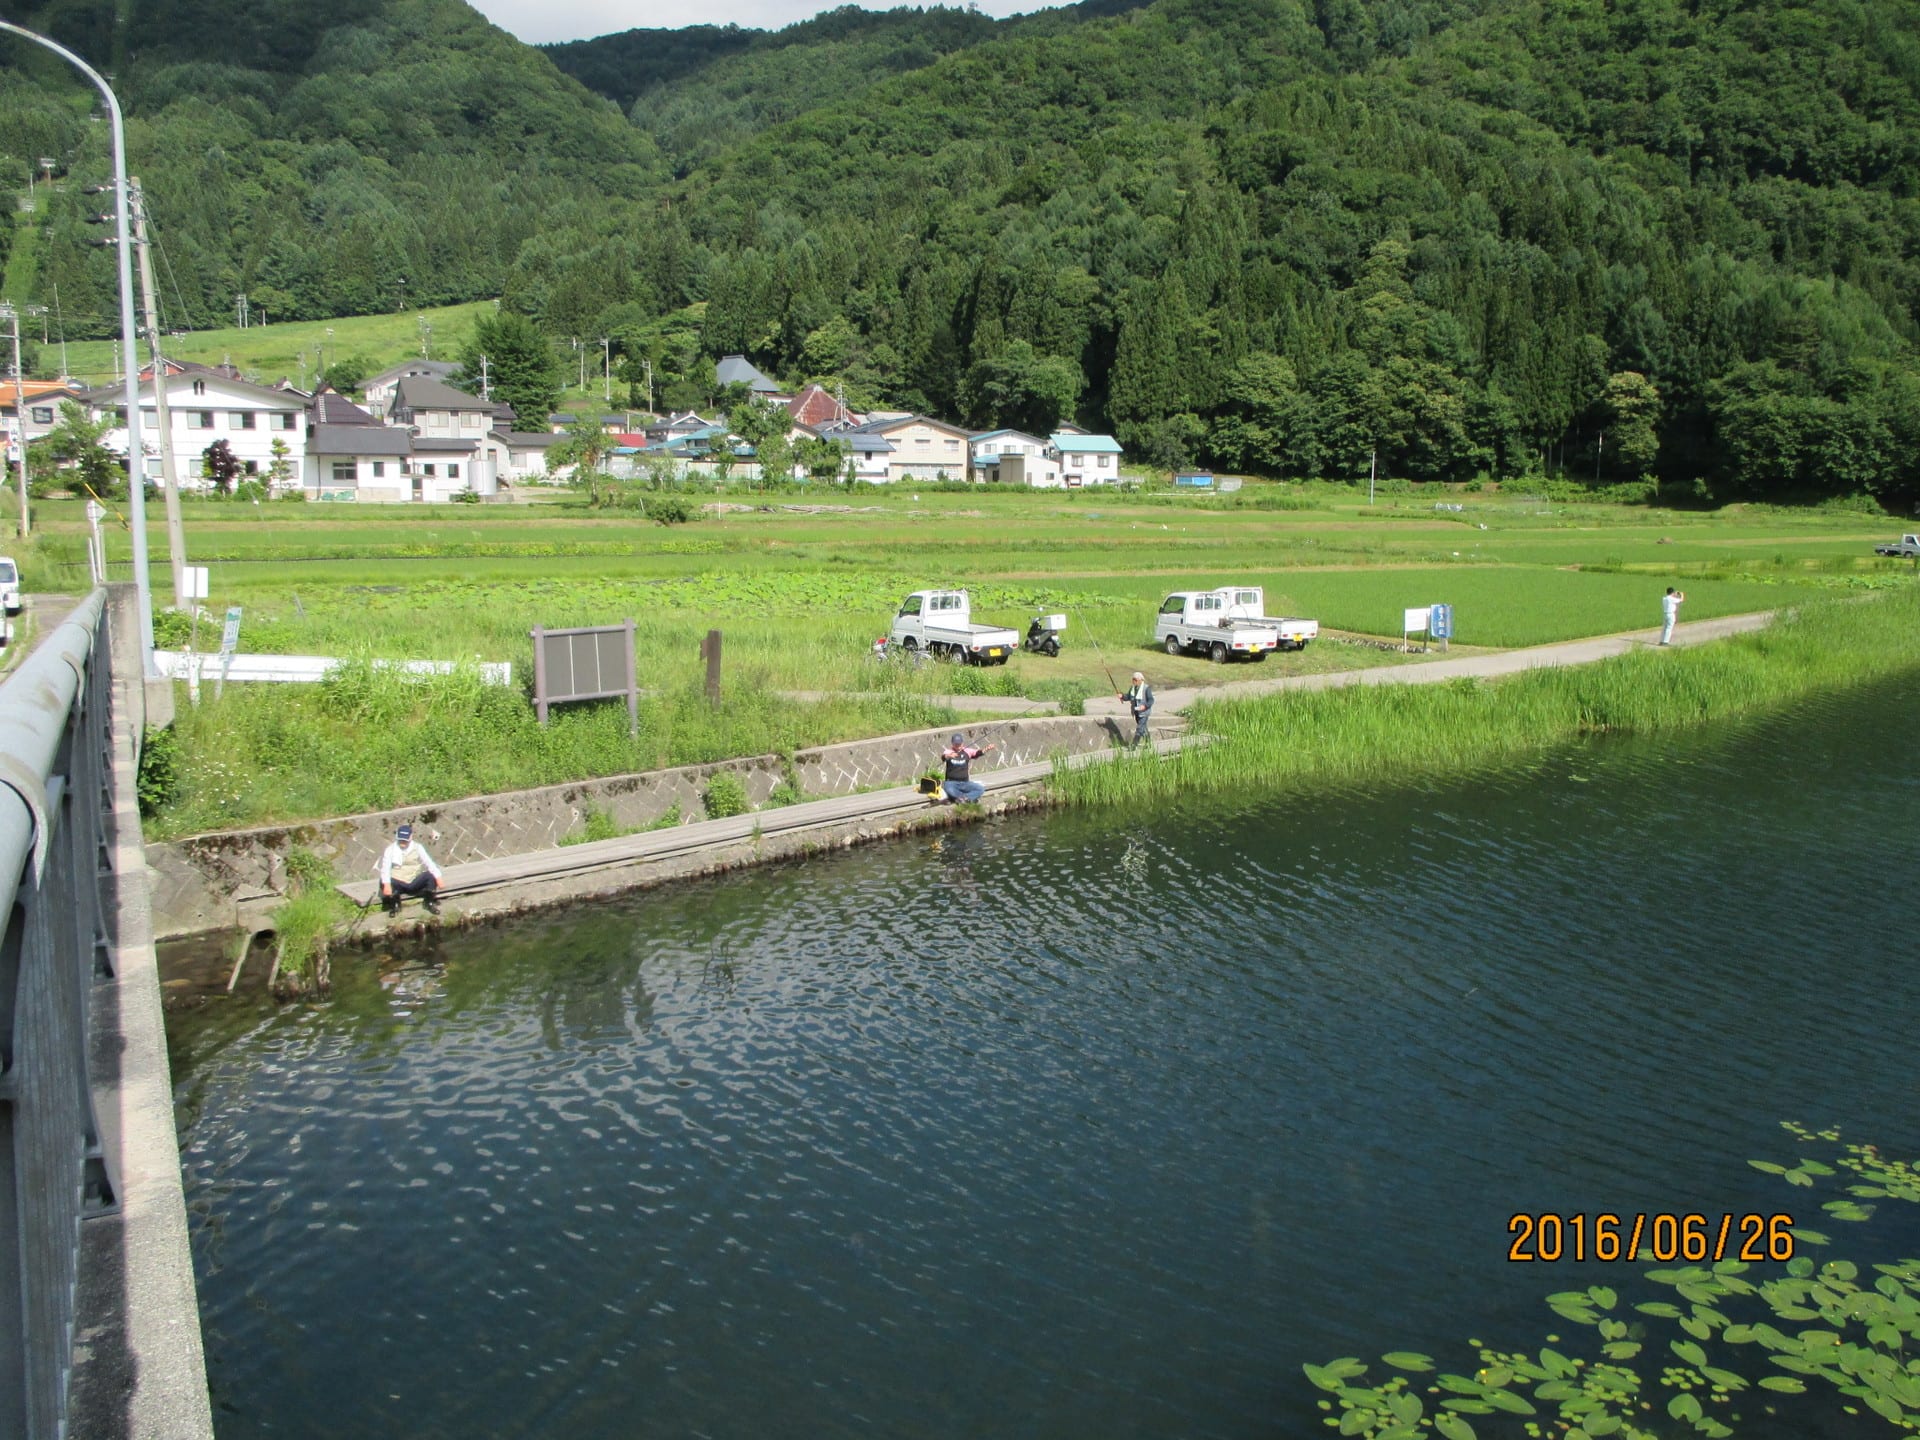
pixel 1664 1236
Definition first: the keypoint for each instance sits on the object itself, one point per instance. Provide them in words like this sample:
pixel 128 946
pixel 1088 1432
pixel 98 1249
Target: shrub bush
pixel 158 783
pixel 724 796
pixel 666 509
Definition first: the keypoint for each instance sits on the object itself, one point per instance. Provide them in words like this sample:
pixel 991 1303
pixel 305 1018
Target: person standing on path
pixel 1670 613
pixel 1139 698
pixel 958 757
pixel 407 869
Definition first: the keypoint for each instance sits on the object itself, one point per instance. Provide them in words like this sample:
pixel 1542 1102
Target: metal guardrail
pixel 55 769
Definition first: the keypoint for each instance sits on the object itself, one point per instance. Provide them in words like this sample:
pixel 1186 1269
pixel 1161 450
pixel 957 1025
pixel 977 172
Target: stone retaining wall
pixel 219 881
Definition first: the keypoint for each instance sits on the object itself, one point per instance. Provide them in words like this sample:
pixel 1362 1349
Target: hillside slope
pixel 324 159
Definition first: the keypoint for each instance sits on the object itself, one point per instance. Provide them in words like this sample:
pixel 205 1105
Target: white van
pixel 9 586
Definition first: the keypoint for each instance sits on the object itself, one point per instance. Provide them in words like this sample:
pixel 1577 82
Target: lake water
pixel 1076 1125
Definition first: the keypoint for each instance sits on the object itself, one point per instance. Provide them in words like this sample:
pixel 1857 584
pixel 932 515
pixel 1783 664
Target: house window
pixel 437 418
pixel 923 440
pixel 283 419
pixel 199 387
pixel 379 469
pixel 426 469
pixel 952 445
pixel 453 472
pixel 240 420
pixel 344 472
pixel 199 419
pixel 472 422
pixel 1101 461
pixel 42 414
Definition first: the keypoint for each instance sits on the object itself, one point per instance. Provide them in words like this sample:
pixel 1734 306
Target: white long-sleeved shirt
pixel 407 861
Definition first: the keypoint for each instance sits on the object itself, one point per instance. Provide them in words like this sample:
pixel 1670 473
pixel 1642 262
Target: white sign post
pixel 229 642
pixel 1416 622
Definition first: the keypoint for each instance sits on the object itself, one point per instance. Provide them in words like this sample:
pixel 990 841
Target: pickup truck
pixel 940 623
pixel 1907 547
pixel 1197 622
pixel 9 586
pixel 1249 602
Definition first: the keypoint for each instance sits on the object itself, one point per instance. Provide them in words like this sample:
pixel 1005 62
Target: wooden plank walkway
pixel 569 860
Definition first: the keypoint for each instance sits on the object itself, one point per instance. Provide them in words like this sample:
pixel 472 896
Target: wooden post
pixel 710 650
pixel 540 673
pixel 633 685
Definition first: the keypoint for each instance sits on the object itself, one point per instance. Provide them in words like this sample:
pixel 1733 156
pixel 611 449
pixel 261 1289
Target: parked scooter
pixel 1043 635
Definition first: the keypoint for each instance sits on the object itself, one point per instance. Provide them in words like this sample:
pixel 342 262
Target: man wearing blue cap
pixel 407 869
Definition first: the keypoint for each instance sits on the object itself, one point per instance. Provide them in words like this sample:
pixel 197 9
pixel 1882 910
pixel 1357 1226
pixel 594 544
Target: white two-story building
pixel 261 425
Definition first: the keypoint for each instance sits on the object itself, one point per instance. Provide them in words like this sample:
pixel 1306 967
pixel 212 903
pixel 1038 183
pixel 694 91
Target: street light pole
pixel 136 453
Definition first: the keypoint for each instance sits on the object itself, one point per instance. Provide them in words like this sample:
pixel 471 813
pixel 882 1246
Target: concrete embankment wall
pixel 216 882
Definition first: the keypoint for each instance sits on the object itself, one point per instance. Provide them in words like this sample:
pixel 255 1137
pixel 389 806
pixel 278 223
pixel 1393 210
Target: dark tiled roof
pixel 443 445
pixel 331 408
pixel 738 370
pixel 432 369
pixel 360 440
pixel 421 392
pixel 527 440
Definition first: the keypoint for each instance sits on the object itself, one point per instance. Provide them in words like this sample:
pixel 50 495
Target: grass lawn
pixel 270 352
pixel 800 597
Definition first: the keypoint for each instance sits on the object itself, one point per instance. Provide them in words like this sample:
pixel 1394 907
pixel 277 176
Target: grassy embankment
pixel 1274 742
pixel 296 348
pixel 801 596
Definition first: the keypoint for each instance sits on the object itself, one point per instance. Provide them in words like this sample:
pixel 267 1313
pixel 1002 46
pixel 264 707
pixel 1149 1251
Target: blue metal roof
pixel 1086 444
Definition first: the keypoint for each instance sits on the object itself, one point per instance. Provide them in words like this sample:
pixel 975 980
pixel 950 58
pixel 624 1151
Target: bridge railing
pixel 55 769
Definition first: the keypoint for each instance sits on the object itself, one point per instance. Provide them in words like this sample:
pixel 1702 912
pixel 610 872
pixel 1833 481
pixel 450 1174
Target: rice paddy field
pixel 800 586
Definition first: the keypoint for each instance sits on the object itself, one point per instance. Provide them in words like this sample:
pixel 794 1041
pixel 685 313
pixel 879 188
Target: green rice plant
pixel 1388 732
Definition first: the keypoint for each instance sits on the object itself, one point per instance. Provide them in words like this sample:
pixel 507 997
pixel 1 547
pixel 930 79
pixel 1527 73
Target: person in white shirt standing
pixel 407 869
pixel 1670 611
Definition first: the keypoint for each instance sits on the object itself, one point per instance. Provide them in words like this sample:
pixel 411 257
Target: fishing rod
pixel 1098 651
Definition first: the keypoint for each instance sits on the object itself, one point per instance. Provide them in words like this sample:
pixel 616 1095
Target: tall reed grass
pixel 1293 740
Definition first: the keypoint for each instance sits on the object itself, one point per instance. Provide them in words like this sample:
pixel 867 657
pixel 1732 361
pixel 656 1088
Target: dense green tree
pixel 1021 389
pixel 520 368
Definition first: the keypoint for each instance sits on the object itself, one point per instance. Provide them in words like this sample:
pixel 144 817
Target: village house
pixel 208 405
pixel 379 390
pixel 1085 459
pixel 1013 457
pixel 41 401
pixel 737 370
pixel 923 449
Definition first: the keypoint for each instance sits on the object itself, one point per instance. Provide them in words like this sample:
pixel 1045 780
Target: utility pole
pixel 648 366
pixel 240 311
pixel 581 356
pixel 7 312
pixel 426 337
pixel 60 320
pixel 486 383
pixel 136 498
pixel 606 355
pixel 1373 461
pixel 169 471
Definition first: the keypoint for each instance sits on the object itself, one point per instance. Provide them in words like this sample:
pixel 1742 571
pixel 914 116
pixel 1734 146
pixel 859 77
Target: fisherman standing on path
pixel 407 869
pixel 1670 613
pixel 1139 698
pixel 958 757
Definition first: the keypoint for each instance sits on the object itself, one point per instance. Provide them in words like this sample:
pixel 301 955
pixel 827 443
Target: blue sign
pixel 1197 480
pixel 1440 622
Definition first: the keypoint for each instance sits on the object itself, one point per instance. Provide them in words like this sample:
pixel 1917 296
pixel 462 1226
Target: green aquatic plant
pixel 1737 1334
pixel 1294 739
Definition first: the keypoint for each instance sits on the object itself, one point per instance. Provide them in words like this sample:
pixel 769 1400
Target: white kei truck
pixel 1197 622
pixel 939 623
pixel 9 586
pixel 1249 602
pixel 1907 546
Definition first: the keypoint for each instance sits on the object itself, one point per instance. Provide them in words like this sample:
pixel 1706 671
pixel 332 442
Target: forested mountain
pixel 326 159
pixel 1603 238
